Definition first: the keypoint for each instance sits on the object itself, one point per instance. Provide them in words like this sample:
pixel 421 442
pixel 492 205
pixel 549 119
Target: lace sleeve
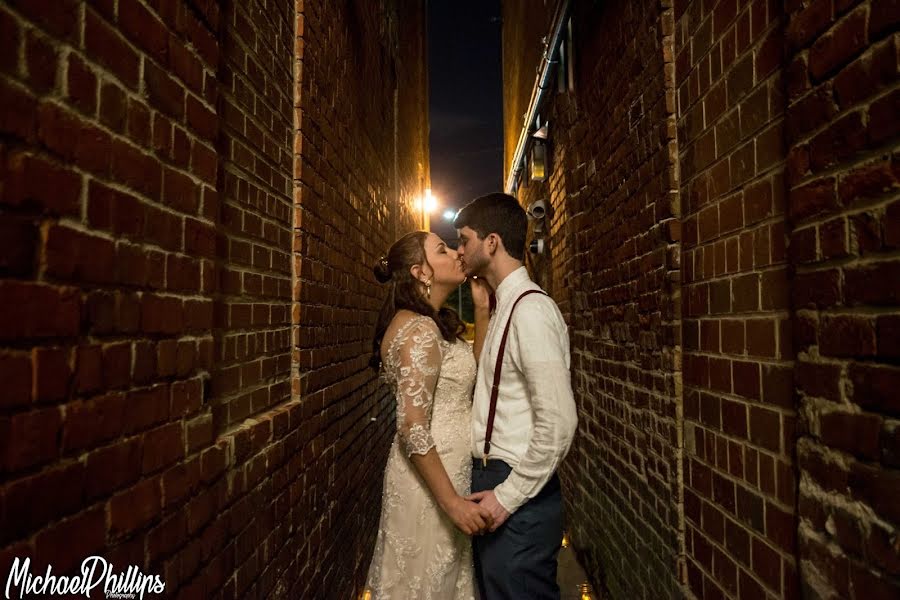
pixel 418 364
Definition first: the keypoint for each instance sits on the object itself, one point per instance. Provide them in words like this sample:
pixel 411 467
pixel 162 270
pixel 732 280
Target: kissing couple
pixel 471 492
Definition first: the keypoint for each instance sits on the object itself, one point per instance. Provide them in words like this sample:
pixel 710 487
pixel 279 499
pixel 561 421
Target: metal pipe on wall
pixel 537 93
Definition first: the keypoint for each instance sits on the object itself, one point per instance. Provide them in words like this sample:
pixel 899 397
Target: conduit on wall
pixel 541 83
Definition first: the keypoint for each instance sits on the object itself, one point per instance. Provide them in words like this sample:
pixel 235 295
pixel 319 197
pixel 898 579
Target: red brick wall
pixel 110 197
pixel 843 179
pixel 739 476
pixel 740 482
pixel 612 264
pixel 360 161
pixel 156 245
pixel 252 319
pixel 784 192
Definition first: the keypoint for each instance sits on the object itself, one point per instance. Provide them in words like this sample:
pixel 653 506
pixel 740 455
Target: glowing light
pixel 430 201
pixel 586 592
pixel 565 540
pixel 449 214
pixel 366 595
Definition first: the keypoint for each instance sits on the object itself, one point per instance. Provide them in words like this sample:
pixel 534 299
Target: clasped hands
pixel 478 513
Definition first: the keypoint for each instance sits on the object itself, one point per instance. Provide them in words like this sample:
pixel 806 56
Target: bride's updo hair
pixel 405 292
pixel 381 270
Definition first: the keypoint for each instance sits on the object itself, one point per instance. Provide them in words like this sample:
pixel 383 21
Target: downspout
pixel 541 82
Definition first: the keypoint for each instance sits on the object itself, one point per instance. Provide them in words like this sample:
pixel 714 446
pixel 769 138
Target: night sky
pixel 465 102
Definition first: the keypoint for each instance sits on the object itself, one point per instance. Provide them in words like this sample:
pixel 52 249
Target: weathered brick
pixel 33 310
pixel 837 47
pixel 865 76
pixel 52 374
pixel 143 28
pixel 820 289
pixel 867 181
pixel 854 433
pixel 883 124
pixel 138 123
pixel 10 34
pixel 818 380
pixel 42 62
pixel 18 246
pixel 81 85
pixel 877 284
pixel 29 439
pixel 34 181
pixel 33 501
pixel 134 508
pixel 840 141
pixel 113 107
pixel 133 167
pixel 107 47
pixel 883 17
pixel 112 467
pixel 72 255
pixel 163 446
pixel 18 114
pixel 813 199
pixel 165 93
pixel 888 331
pixel 66 544
pixel 874 387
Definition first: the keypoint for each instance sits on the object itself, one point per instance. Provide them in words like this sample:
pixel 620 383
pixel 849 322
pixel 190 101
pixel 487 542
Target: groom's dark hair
pixel 496 213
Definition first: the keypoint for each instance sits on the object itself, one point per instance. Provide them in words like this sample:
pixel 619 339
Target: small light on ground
pixel 586 592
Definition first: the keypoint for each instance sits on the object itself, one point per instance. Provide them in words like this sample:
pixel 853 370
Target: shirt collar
pixel 510 283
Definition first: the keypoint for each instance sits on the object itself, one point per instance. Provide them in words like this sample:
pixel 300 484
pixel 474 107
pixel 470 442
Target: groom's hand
pixel 468 516
pixel 481 293
pixel 489 501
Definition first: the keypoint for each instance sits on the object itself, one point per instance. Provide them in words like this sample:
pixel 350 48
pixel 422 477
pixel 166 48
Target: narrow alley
pixel 193 194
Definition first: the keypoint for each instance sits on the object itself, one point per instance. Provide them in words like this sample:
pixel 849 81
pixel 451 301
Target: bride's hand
pixel 481 293
pixel 469 517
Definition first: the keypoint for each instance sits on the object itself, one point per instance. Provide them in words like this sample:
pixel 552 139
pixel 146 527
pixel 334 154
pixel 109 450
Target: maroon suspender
pixel 495 388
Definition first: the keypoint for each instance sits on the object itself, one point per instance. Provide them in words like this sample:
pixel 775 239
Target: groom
pixel 516 453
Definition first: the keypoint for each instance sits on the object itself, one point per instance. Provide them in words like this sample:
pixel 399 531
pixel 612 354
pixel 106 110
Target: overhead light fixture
pixel 538 154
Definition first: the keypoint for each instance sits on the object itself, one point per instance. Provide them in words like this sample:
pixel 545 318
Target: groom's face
pixel 472 252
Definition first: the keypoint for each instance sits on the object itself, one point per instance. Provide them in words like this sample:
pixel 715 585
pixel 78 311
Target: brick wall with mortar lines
pixel 612 264
pixel 146 173
pixel 252 319
pixel 843 178
pixel 258 517
pixel 786 262
pixel 739 425
pixel 109 202
pixel 360 159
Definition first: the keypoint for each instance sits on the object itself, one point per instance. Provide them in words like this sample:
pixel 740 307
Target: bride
pixel 423 550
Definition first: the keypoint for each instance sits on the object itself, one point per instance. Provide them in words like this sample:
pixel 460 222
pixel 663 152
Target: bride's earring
pixel 428 288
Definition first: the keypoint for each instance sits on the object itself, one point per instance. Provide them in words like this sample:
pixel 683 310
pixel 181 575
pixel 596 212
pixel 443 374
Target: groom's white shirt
pixel 536 418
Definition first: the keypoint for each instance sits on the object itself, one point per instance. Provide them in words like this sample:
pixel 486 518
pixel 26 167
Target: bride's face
pixel 444 262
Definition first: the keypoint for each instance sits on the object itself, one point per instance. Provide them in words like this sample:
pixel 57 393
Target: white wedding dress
pixel 419 553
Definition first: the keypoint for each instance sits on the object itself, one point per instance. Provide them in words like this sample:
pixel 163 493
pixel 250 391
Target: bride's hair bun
pixel 381 270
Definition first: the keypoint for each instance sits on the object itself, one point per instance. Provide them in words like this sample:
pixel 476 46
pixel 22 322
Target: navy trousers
pixel 518 561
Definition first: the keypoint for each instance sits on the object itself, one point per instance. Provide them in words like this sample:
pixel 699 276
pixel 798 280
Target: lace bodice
pixel 420 365
pixel 419 554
